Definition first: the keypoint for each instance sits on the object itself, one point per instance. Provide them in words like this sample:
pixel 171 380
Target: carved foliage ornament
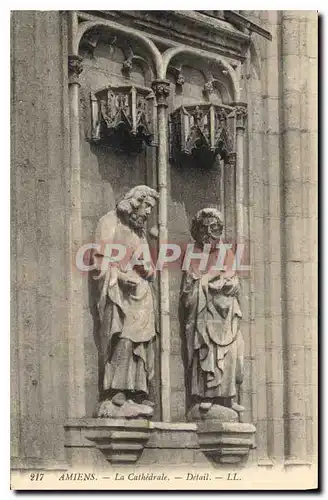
pixel 75 68
pixel 124 117
pixel 203 132
pixel 161 89
pixel 241 114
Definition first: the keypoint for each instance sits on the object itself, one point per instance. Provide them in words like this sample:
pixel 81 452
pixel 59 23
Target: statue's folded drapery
pixel 125 304
pixel 210 316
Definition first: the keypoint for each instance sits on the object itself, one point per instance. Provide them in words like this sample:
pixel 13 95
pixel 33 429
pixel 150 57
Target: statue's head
pixel 136 206
pixel 207 226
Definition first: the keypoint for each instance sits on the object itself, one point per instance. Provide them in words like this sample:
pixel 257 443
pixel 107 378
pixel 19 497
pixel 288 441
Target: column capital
pixel 161 89
pixel 241 114
pixel 232 160
pixel 75 68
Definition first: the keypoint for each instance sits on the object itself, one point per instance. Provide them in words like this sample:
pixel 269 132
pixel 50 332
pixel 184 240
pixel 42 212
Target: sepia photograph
pixel 164 250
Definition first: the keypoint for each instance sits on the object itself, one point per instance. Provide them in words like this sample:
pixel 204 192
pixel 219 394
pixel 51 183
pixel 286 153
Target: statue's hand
pixel 131 284
pixel 189 284
pixel 153 232
pixel 146 274
pixel 150 277
pixel 230 287
pixel 126 280
pixel 216 283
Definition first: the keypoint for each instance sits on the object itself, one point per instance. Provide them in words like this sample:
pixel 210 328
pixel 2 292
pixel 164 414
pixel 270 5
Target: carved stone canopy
pixel 124 117
pixel 201 133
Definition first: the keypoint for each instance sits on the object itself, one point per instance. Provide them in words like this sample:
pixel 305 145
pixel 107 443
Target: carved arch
pixel 150 47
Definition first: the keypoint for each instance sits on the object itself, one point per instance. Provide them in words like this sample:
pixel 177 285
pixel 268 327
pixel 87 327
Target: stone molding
pixel 122 441
pixel 37 464
pixel 212 34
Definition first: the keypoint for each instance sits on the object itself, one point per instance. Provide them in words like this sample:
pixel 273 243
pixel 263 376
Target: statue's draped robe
pixel 209 317
pixel 127 332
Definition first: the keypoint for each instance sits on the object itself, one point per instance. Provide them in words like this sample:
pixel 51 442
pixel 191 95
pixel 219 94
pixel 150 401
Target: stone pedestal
pixel 120 441
pixel 226 442
pixel 173 444
pixel 141 442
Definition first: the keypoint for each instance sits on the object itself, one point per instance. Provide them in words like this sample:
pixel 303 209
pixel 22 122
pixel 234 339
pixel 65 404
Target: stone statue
pixel 209 317
pixel 126 312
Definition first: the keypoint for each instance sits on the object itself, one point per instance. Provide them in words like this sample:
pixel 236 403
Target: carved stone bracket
pixel 124 117
pixel 208 88
pixel 75 68
pixel 127 441
pixel 226 442
pixel 180 80
pixel 90 42
pixel 127 66
pixel 202 132
pixel 177 72
pixel 120 441
pixel 130 58
pixel 161 89
pixel 128 61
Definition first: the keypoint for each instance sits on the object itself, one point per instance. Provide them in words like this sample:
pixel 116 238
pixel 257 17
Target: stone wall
pixel 39 237
pixel 282 98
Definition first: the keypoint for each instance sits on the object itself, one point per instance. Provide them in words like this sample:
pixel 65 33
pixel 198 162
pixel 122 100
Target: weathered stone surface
pixel 40 260
pixel 120 440
pixel 226 443
pixel 123 441
pixel 214 412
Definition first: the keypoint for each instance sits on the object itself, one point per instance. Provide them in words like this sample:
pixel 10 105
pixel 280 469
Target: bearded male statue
pixel 209 317
pixel 125 307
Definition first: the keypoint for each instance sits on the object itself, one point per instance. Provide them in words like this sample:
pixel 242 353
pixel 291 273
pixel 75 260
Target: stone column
pixel 76 401
pixel 256 231
pixel 241 113
pixel 162 91
pixel 272 239
pixel 242 238
pixel 309 126
pixel 293 244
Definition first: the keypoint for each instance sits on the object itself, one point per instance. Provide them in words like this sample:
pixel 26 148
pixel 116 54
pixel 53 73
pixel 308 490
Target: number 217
pixel 36 477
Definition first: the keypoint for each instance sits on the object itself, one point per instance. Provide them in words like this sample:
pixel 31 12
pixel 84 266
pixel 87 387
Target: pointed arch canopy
pixel 160 61
pixel 151 48
pixel 203 55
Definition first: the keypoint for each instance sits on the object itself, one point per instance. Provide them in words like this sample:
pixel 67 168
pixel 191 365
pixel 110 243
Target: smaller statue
pixel 209 317
pixel 126 334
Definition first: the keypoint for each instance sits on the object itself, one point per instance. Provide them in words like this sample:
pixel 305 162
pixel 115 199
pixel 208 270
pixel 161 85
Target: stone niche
pixel 124 117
